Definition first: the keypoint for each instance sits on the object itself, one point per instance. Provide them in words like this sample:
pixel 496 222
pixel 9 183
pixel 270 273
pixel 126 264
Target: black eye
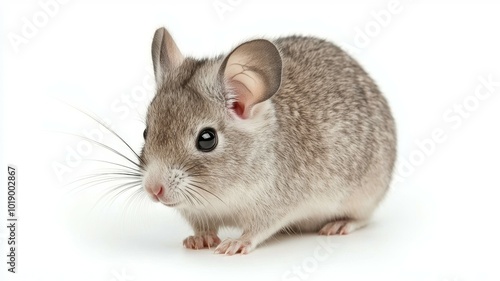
pixel 207 140
pixel 145 133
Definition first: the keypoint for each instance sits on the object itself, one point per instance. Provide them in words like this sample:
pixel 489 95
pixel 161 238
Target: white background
pixel 439 222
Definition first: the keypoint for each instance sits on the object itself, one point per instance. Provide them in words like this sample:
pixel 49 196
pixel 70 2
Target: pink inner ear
pixel 239 109
pixel 244 102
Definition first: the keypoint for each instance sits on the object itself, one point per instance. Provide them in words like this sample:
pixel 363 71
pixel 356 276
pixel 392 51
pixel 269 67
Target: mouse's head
pixel 209 126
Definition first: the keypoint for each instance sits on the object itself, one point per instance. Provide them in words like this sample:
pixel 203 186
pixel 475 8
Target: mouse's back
pixel 339 131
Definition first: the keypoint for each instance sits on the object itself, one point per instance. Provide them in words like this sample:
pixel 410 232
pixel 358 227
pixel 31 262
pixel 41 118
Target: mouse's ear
pixel 251 74
pixel 165 53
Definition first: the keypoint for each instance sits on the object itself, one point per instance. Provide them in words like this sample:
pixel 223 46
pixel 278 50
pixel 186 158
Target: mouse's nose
pixel 158 190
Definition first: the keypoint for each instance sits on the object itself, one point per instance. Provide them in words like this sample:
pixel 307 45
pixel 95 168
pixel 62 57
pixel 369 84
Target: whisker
pixel 131 186
pixel 207 175
pixel 194 197
pixel 90 184
pixel 110 190
pixel 110 130
pixel 116 164
pixel 189 188
pixel 192 167
pixel 118 174
pixel 183 163
pixel 188 198
pixel 104 176
pixel 132 203
pixel 207 191
pixel 131 198
pixel 124 186
pixel 104 146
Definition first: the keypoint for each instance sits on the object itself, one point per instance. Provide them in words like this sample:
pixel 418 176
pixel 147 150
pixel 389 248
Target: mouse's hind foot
pixel 342 227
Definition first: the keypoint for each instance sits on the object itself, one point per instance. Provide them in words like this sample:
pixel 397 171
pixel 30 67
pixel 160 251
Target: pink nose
pixel 158 190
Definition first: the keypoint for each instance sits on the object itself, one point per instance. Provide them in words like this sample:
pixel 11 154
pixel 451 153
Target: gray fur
pixel 323 151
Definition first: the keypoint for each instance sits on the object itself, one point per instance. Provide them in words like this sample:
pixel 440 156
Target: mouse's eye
pixel 145 133
pixel 207 140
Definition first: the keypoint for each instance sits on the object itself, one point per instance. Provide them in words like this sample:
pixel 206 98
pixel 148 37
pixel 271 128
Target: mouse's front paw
pixel 201 241
pixel 233 246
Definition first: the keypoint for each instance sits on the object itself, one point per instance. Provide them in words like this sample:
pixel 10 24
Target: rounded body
pixel 299 139
pixel 335 139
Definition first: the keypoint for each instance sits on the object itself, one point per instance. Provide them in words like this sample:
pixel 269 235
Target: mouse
pixel 279 135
